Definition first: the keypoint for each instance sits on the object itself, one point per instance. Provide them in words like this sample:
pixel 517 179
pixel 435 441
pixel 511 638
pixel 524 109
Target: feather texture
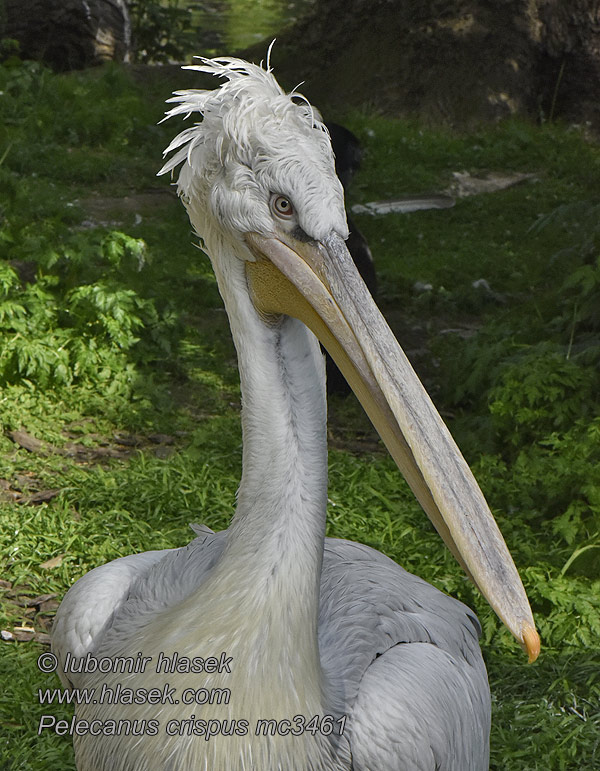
pixel 312 626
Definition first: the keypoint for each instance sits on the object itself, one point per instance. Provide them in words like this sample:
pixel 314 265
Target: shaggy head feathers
pixel 253 141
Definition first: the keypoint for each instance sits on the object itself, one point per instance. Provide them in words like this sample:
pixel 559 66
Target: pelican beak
pixel 318 283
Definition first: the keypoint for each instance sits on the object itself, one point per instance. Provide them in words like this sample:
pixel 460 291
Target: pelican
pixel 268 647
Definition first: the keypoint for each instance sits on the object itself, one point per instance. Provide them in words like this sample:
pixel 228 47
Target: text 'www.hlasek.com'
pixel 191 725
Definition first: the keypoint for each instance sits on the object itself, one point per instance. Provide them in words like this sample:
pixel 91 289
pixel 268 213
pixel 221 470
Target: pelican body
pixel 268 646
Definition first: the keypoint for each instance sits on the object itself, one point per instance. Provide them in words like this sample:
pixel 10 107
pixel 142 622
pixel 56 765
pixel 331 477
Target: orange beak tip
pixel 531 643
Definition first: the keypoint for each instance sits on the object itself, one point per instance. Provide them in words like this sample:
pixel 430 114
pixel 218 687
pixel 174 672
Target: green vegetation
pixel 174 30
pixel 111 333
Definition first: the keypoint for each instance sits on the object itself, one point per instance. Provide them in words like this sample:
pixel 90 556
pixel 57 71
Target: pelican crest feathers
pixel 253 138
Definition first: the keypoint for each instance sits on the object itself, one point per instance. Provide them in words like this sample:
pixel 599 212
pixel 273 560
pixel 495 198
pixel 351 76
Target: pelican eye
pixel 281 206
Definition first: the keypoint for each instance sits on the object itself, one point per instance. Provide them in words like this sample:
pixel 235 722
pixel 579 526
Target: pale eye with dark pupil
pixel 282 206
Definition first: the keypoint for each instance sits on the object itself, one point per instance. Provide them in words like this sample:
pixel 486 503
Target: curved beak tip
pixel 318 283
pixel 531 643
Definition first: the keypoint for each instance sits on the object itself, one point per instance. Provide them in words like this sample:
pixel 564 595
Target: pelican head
pixel 258 180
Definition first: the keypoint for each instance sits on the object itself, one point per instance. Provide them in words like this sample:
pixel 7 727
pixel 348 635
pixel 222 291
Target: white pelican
pixel 356 663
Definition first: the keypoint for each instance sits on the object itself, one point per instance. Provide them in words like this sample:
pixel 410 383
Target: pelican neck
pixel 282 498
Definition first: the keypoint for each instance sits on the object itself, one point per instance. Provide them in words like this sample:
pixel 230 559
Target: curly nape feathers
pixel 249 103
pixel 253 140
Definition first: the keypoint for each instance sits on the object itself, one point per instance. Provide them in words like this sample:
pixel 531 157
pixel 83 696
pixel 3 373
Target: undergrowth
pixel 115 326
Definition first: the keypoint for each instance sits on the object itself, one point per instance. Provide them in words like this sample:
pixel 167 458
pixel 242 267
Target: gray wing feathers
pixel 419 709
pixel 116 594
pixel 395 650
pixel 369 604
pixel 402 654
pixel 180 573
pixel 90 604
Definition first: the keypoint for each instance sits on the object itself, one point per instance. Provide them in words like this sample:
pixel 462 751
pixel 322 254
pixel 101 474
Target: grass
pixel 135 308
